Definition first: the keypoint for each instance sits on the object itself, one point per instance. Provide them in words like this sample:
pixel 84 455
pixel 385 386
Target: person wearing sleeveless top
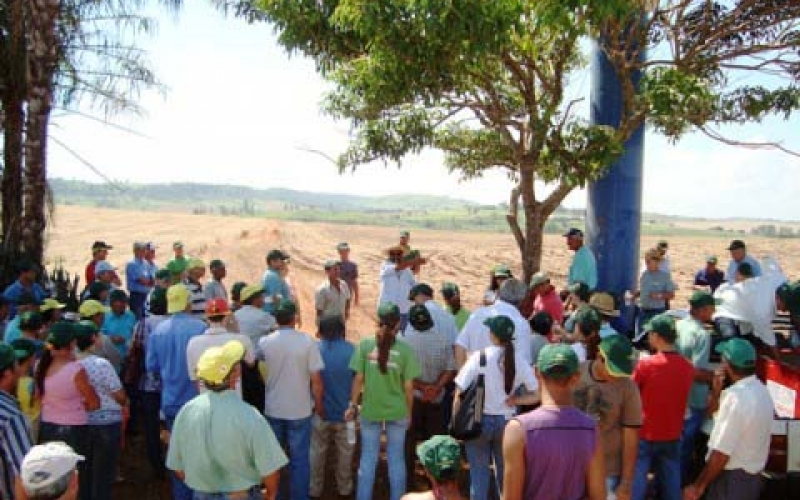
pixel 555 451
pixel 65 391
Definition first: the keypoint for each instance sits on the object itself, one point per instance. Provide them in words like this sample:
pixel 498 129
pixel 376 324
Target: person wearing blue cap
pixel 740 441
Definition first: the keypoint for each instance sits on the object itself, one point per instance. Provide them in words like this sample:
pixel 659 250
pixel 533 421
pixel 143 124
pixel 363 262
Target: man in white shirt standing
pixel 333 296
pixel 739 443
pixel 475 334
pixel 397 280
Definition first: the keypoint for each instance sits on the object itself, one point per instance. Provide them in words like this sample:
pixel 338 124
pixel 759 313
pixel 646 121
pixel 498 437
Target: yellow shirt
pixel 30 405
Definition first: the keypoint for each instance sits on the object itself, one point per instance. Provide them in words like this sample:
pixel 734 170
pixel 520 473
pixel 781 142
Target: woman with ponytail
pixel 505 372
pixel 385 369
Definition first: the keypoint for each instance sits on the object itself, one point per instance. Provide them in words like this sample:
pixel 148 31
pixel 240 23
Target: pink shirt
pixel 550 303
pixel 62 403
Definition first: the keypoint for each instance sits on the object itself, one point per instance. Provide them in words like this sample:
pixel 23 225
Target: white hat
pixel 47 463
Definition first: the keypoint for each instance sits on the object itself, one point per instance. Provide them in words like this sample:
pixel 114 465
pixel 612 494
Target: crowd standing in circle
pixel 573 402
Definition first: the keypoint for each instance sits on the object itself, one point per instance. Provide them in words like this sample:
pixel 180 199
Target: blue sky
pixel 239 110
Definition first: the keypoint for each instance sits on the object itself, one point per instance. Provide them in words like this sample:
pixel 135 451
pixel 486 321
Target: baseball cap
pixel 92 307
pixel 236 289
pixel 388 311
pixel 101 245
pixel 249 292
pixel 738 352
pixel 150 245
pixel 103 266
pixel 85 328
pixel 7 356
pixel 30 320
pixel 139 245
pixel 588 319
pixel 539 278
pixel 216 264
pixel 662 244
pixel 195 263
pixel 177 244
pixel 49 304
pixel 501 326
pixel 501 271
pixel 618 353
pixel 286 306
pixel 217 362
pixel 580 289
pixel 277 254
pixel 420 289
pixel 25 265
pixel 217 307
pixel 604 304
pixel 450 290
pixel 439 455
pixel 330 264
pixel 573 231
pixel 24 348
pixel 557 361
pixel 662 325
pixel 163 274
pixel 712 259
pixel 118 295
pixel 736 245
pixel 61 334
pixel 405 234
pixel 158 301
pixel 420 318
pixel 702 299
pixel 541 323
pixel 745 269
pixel 343 246
pixel 46 464
pixel 177 298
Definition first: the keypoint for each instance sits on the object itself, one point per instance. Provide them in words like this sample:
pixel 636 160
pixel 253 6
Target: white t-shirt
pixel 291 358
pixel 216 336
pixel 494 381
pixel 743 425
pixel 475 335
pixel 395 286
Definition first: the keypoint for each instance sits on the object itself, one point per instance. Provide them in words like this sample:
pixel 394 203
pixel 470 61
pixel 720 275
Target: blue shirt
pixel 12 331
pixel 712 280
pixel 583 268
pixel 15 442
pixel 337 378
pixel 734 266
pixel 15 289
pixel 121 325
pixel 274 285
pixel 135 270
pixel 166 354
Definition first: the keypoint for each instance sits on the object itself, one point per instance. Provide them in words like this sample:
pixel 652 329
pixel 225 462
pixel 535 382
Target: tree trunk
pixel 13 99
pixel 43 52
pixel 534 238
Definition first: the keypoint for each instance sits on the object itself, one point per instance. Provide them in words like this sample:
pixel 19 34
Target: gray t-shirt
pixel 291 357
pixel 654 282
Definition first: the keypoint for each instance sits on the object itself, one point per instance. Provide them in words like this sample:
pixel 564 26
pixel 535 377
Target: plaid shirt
pixel 15 442
pixel 434 351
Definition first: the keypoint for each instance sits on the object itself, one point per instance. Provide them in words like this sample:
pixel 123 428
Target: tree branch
pixel 748 144
pixel 512 217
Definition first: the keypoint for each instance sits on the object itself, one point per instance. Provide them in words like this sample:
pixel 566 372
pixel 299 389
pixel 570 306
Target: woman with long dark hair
pixel 385 369
pixel 505 373
pixel 65 391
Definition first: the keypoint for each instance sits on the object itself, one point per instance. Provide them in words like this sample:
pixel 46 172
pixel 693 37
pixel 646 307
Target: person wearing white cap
pixel 49 472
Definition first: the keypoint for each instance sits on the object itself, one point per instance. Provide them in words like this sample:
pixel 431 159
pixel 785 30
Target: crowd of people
pixel 235 401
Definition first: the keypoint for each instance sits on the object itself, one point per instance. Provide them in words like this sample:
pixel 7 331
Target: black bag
pixel 466 423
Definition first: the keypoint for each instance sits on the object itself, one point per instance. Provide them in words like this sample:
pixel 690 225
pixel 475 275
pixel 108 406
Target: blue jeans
pixel 180 490
pixel 665 458
pixel 102 445
pixel 295 437
pixel 253 494
pixel 691 427
pixel 481 451
pixel 370 454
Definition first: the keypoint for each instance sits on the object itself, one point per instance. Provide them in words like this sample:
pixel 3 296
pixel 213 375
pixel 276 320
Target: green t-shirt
pixel 461 317
pixel 384 396
pixel 694 343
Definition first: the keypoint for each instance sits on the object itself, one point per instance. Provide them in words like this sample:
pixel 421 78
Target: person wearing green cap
pixel 440 456
pixel 385 370
pixel 564 441
pixel 507 372
pixel 14 433
pixel 740 440
pixel 452 299
pixel 607 393
pixel 65 391
pixel 694 342
pixel 664 380
pixel 214 288
pixel 710 277
pixel 180 261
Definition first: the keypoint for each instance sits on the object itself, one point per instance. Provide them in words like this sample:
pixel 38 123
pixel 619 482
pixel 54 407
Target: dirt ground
pixel 464 258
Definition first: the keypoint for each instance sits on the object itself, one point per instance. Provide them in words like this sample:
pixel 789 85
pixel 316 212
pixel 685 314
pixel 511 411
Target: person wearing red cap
pixel 217 334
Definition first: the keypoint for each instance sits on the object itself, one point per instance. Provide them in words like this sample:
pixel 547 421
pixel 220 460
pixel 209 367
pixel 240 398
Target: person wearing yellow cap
pixel 221 446
pixel 194 273
pixel 51 311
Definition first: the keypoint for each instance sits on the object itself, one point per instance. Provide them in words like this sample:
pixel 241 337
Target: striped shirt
pixel 197 297
pixel 15 442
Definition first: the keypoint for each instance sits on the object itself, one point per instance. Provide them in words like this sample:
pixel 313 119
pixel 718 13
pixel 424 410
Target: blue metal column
pixel 614 208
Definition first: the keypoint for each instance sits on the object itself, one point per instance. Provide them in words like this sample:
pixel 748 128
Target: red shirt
pixel 664 381
pixel 90 272
pixel 551 303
